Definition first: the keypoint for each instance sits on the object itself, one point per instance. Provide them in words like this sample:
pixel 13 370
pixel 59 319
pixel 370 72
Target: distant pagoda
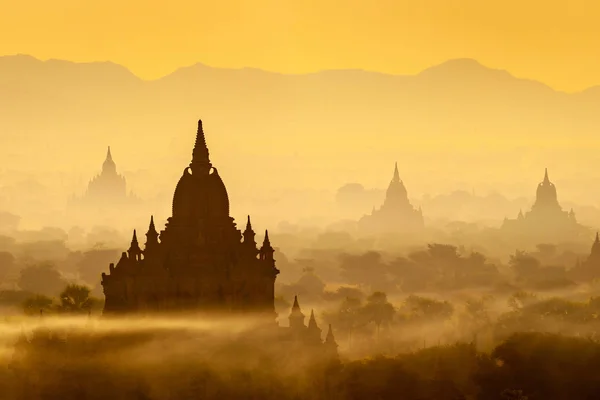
pixel 589 269
pixel 106 196
pixel 396 214
pixel 546 220
pixel 108 187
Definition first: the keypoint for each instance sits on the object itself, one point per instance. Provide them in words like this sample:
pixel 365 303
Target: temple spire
pixel 296 317
pixel 330 339
pixel 151 235
pixel 266 251
pixel 312 322
pixel 200 158
pixel 249 235
pixel 314 331
pixel 109 165
pixel 396 174
pixel 546 180
pixel 330 345
pixel 595 253
pixel 134 250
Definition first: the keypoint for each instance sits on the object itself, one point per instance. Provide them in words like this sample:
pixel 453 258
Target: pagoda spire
pixel 314 331
pixel 330 338
pixel 200 158
pixel 546 179
pixel 312 322
pixel 596 247
pixel 151 235
pixel 134 250
pixel 296 317
pixel 266 251
pixel 330 344
pixel 249 235
pixel 396 174
pixel 109 165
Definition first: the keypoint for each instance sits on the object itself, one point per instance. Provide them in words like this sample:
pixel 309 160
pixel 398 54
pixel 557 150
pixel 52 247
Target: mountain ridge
pixel 456 66
pixel 53 114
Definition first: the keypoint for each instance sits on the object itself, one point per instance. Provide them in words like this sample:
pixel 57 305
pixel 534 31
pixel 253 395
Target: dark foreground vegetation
pixel 89 365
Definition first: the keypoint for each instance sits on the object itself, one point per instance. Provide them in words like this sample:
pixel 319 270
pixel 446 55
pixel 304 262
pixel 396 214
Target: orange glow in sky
pixel 555 42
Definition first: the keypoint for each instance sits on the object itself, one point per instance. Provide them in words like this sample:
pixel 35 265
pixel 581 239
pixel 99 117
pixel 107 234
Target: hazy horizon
pixel 200 63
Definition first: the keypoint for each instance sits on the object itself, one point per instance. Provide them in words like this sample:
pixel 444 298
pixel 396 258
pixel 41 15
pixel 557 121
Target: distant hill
pixel 335 124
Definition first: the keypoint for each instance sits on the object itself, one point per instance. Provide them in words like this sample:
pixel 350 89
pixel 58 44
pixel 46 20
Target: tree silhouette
pixel 379 310
pixel 76 299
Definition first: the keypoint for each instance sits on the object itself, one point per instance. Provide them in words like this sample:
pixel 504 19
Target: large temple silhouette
pixel 546 220
pixel 200 262
pixel 396 214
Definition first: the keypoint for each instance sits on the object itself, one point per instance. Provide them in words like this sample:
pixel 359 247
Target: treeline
pixel 526 366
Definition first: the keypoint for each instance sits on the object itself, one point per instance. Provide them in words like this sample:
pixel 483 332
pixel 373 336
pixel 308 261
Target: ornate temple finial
pixel 266 251
pixel 330 339
pixel 396 173
pixel 249 235
pixel 151 235
pixel 546 180
pixel 109 165
pixel 200 157
pixel 596 247
pixel 296 317
pixel 312 322
pixel 134 250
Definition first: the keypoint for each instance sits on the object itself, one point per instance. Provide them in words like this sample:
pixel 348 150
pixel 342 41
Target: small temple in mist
pixel 396 214
pixel 589 269
pixel 106 192
pixel 546 220
pixel 200 262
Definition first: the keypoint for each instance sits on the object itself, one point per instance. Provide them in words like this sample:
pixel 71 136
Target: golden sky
pixel 553 41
